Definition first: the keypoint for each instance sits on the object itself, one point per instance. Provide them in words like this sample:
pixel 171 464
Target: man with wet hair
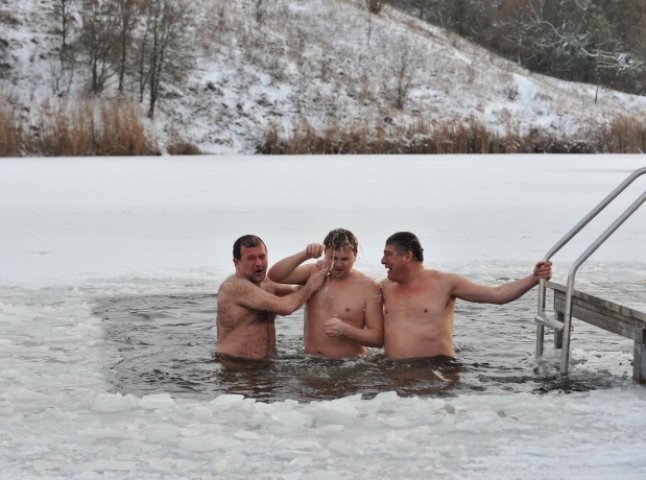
pixel 345 315
pixel 419 302
pixel 248 302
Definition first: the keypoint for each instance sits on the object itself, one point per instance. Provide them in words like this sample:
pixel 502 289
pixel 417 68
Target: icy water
pixel 108 275
pixel 165 344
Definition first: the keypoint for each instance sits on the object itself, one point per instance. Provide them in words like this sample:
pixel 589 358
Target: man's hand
pixel 334 327
pixel 543 270
pixel 314 250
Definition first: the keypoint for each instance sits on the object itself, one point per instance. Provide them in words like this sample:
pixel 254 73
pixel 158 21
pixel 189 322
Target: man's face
pixel 393 261
pixel 341 260
pixel 252 264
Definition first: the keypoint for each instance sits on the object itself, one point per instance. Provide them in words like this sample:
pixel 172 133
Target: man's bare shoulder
pixel 387 283
pixel 362 280
pixel 448 281
pixel 235 285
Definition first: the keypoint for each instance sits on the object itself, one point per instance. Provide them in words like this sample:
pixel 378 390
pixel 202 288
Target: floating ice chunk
pixel 292 418
pixel 159 400
pixel 102 465
pixel 46 464
pixel 332 428
pixel 337 411
pixel 163 433
pixel 6 410
pixel 396 421
pixel 123 432
pixel 205 443
pixel 229 463
pixel 400 445
pixel 226 400
pixel 113 402
pixel 246 435
pixel 221 466
pixel 327 475
pixel 385 401
pixel 202 413
pixel 342 448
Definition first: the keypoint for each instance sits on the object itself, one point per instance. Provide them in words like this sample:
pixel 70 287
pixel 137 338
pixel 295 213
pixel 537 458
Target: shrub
pixel 375 6
pixel 183 148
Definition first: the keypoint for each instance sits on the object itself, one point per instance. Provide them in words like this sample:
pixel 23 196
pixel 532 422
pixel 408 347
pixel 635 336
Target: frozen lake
pixel 108 274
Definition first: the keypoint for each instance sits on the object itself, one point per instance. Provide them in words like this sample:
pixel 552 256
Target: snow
pixel 323 63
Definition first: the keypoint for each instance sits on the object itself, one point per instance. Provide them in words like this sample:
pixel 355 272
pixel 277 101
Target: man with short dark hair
pixel 419 303
pixel 345 315
pixel 248 302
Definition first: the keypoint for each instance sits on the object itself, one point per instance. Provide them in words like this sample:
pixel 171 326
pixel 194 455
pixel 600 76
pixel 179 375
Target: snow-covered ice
pixel 75 230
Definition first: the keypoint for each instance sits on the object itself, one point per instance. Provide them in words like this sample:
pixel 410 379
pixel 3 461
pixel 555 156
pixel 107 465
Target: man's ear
pixel 408 257
pixel 236 262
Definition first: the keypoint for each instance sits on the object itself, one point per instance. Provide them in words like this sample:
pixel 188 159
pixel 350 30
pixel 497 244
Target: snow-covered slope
pixel 324 63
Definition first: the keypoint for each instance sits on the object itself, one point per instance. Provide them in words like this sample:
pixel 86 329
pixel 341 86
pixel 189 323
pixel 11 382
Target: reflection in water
pixel 165 343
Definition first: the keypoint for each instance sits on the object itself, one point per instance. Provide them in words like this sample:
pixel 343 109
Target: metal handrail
pixel 589 251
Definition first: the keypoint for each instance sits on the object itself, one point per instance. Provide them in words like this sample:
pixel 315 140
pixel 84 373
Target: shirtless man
pixel 419 302
pixel 248 302
pixel 346 313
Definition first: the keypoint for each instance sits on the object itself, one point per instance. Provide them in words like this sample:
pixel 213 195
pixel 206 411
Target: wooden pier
pixel 612 317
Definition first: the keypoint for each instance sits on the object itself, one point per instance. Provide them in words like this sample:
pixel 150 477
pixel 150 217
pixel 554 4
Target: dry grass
pixel 625 135
pixel 85 128
pixel 11 132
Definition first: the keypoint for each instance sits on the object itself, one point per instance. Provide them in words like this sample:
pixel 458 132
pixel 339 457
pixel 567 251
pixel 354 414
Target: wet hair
pixel 247 241
pixel 340 237
pixel 407 242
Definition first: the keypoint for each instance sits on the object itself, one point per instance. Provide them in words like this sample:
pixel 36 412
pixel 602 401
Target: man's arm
pixel 288 270
pixel 251 296
pixel 469 291
pixel 373 333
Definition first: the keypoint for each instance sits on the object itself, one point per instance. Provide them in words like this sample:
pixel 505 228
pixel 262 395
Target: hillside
pixel 322 63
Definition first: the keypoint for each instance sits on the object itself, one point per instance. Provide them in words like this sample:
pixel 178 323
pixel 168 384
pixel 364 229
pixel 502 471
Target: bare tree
pixel 97 40
pixel 165 47
pixel 63 12
pixel 62 72
pixel 126 18
pixel 403 62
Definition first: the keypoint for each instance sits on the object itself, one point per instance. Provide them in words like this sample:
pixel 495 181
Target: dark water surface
pixel 165 343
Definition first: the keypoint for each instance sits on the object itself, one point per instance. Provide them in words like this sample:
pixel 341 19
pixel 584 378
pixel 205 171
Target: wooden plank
pixel 602 317
pixel 610 316
pixel 611 306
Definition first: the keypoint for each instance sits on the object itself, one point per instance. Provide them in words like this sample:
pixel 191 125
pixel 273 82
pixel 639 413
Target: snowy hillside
pixel 324 63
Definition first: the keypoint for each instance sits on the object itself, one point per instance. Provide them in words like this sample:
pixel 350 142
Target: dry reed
pixel 80 129
pixel 11 132
pixel 624 135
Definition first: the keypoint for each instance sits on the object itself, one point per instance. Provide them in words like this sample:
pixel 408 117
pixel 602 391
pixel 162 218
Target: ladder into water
pixel 569 302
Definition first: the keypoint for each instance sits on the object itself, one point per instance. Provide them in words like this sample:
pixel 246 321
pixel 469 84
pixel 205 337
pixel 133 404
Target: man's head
pixel 250 258
pixel 402 248
pixel 341 247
